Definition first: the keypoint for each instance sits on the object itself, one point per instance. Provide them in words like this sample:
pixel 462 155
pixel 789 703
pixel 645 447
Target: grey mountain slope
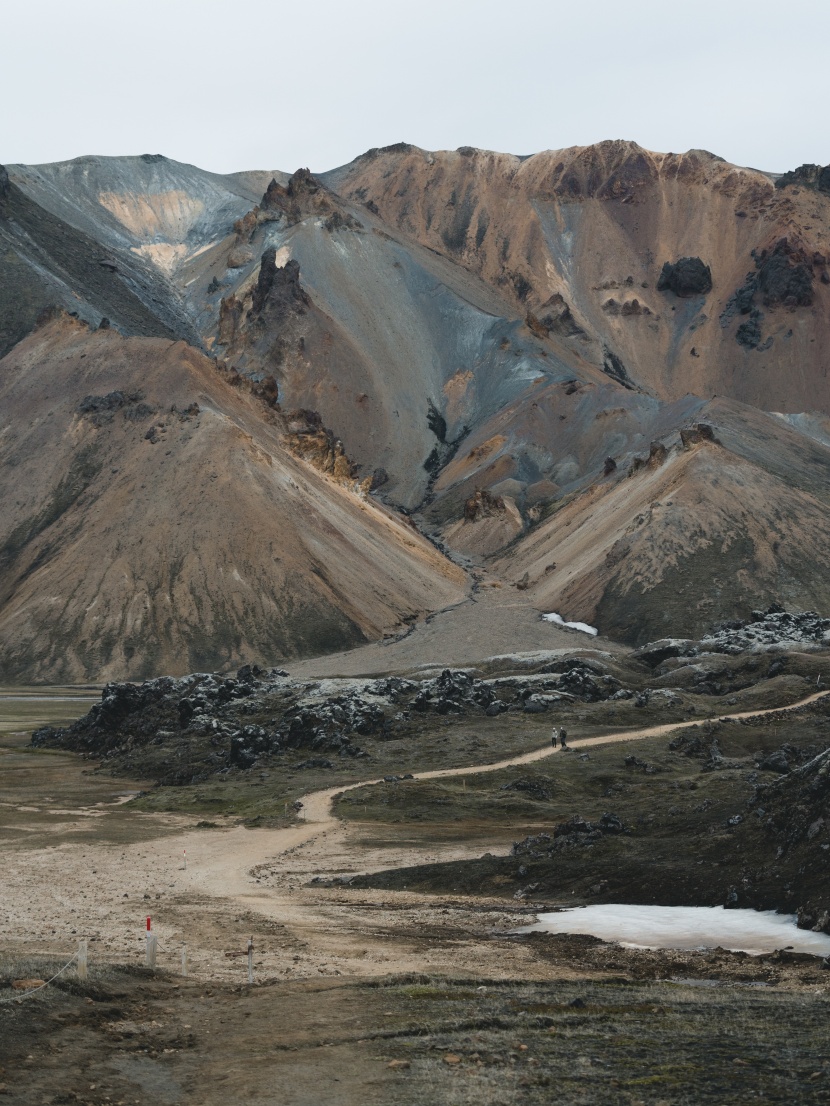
pixel 46 262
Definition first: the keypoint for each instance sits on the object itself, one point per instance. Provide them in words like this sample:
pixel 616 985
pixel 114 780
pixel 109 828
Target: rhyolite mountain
pixel 262 415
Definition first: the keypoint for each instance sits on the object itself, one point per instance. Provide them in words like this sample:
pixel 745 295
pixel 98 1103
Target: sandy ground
pixel 453 637
pixel 97 869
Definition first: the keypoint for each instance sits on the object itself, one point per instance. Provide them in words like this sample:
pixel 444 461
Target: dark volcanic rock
pixel 785 275
pixel 771 628
pixel 689 276
pixel 5 186
pixel 278 287
pixel 577 831
pixel 795 813
pixel 807 176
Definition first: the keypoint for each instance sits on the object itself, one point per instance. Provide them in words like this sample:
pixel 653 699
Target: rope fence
pixel 80 956
pixel 152 947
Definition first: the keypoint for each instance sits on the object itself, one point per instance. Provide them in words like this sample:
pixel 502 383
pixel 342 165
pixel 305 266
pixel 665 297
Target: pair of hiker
pixel 559 737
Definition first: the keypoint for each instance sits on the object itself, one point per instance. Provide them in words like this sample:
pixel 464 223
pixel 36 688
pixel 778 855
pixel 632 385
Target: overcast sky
pixel 275 85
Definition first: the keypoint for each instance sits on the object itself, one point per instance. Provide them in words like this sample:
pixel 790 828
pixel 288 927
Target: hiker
pixel 554 737
pixel 563 734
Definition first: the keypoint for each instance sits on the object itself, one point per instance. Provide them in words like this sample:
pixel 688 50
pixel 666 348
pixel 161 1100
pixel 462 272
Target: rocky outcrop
pixel 482 504
pixel 689 276
pixel 764 631
pixel 816 177
pixel 5 186
pixel 773 628
pixel 795 813
pixel 576 832
pixel 303 195
pixel 207 723
pixel 317 445
pixel 783 277
pixel 278 287
pixel 555 317
pixel 231 311
pixel 693 435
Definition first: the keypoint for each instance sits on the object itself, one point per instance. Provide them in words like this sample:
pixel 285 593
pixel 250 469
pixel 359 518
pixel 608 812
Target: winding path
pixel 317 805
pixel 240 880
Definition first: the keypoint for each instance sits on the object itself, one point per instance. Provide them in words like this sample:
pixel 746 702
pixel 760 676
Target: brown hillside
pixel 154 521
pixel 578 239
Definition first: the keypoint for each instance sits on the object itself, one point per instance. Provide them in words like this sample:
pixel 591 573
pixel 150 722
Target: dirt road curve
pixel 242 880
pixel 317 805
pixel 228 873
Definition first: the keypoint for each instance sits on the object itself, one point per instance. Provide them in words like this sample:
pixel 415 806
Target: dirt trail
pixel 317 805
pixel 242 880
pixel 331 846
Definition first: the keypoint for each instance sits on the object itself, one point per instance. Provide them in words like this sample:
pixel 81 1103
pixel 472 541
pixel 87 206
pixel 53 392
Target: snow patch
pixel 687 927
pixel 583 627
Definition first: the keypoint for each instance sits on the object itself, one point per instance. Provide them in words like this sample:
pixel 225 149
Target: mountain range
pixel 263 416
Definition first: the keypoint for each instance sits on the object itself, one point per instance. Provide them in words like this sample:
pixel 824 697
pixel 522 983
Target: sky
pixel 268 84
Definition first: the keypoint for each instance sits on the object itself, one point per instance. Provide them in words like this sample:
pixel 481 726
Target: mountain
pixel 596 374
pixel 155 520
pixel 580 239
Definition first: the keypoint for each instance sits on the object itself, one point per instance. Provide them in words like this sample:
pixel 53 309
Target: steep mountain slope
pixel 160 209
pixel 725 519
pixel 579 239
pixel 519 353
pixel 399 350
pixel 45 261
pixel 155 520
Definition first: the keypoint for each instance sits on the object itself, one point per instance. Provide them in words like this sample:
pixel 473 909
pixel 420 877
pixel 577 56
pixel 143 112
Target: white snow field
pixel 687 927
pixel 583 627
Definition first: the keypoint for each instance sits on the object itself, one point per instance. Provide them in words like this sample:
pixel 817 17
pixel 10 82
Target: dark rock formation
pixel 541 788
pixel 612 365
pixel 558 319
pixel 5 185
pixel 303 195
pixel 785 275
pixel 807 176
pixel 339 221
pixel 626 309
pixel 231 311
pixel 795 813
pixel 692 435
pixel 689 276
pixel 577 831
pixel 278 287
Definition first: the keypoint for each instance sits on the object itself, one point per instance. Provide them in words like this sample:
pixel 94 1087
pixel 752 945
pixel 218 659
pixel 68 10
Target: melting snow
pixel 560 621
pixel 687 927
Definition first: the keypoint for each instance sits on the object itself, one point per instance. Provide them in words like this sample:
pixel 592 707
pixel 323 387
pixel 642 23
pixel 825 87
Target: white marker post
pixel 250 959
pixel 82 960
pixel 150 958
pixel 184 851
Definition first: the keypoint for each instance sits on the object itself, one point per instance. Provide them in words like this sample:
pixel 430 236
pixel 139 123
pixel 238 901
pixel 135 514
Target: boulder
pixel 656 652
pixel 688 276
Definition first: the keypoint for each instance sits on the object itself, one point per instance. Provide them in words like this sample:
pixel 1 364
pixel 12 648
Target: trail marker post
pixel 150 958
pixel 250 959
pixel 184 960
pixel 82 960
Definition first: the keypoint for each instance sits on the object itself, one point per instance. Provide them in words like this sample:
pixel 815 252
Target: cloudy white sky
pixel 272 84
